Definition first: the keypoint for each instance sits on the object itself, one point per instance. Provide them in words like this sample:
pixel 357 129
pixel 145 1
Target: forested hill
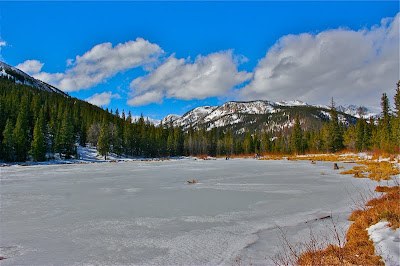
pixel 35 123
pixel 20 77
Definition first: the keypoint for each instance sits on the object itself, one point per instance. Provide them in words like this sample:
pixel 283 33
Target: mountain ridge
pixel 267 113
pixel 20 77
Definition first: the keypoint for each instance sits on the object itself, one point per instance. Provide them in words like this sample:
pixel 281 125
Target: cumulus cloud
pixel 351 66
pixel 31 66
pixel 2 44
pixel 101 62
pixel 102 99
pixel 146 98
pixel 208 76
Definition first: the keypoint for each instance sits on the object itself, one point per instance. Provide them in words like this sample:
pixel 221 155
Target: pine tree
pixel 38 150
pixel 360 139
pixel 170 143
pixel 384 124
pixel 247 143
pixel 103 145
pixel 350 138
pixel 335 134
pixel 8 142
pixel 297 137
pixel 117 139
pixel 21 134
pixel 265 145
pixel 66 138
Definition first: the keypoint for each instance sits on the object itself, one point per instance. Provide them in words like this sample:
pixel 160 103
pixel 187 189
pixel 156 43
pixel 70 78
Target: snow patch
pixel 386 242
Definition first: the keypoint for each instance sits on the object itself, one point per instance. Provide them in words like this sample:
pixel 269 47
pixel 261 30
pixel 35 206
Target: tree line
pixel 35 125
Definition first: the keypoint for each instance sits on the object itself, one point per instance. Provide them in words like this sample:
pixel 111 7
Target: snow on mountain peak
pixel 235 112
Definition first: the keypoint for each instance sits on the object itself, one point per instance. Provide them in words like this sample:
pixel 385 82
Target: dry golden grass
pixel 273 157
pixel 359 249
pixel 374 170
pixel 326 157
pixel 313 157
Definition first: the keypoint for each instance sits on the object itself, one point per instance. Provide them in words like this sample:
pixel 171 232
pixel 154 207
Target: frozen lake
pixel 144 212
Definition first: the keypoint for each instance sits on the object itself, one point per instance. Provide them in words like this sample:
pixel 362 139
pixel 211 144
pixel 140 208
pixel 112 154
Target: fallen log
pixel 320 218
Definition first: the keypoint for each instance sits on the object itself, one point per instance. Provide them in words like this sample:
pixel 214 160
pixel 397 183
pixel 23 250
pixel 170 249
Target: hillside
pixel 38 124
pixel 20 77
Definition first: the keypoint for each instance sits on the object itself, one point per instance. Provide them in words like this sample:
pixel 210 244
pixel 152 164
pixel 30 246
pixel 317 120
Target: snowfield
pixel 145 212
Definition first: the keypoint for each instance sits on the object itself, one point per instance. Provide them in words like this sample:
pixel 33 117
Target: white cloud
pixel 208 76
pixel 101 62
pixel 351 66
pixel 2 44
pixel 102 99
pixel 30 66
pixel 146 98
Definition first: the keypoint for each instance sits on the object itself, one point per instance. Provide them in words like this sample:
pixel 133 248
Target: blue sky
pixel 187 54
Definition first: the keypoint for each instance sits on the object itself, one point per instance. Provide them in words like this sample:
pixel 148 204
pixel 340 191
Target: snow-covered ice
pixel 386 242
pixel 144 212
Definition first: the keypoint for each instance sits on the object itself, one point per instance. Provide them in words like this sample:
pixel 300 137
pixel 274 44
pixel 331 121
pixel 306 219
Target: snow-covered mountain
pixel 357 111
pixel 20 77
pixel 263 115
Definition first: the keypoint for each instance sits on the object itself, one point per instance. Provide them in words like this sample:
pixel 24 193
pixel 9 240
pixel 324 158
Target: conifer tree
pixel 66 138
pixel 8 145
pixel 21 134
pixel 247 143
pixel 103 145
pixel 229 143
pixel 350 138
pixel 384 124
pixel 297 137
pixel 335 134
pixel 265 145
pixel 38 150
pixel 117 139
pixel 360 140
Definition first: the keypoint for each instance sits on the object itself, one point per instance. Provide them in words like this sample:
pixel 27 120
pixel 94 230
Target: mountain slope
pixel 258 115
pixel 20 77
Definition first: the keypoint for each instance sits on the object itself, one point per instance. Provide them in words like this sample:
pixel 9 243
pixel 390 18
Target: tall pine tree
pixel 8 147
pixel 38 150
pixel 384 124
pixel 296 138
pixel 21 133
pixel 335 135
pixel 103 145
pixel 66 138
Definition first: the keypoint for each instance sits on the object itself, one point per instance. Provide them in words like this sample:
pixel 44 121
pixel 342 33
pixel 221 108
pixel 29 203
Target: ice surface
pixel 386 242
pixel 145 213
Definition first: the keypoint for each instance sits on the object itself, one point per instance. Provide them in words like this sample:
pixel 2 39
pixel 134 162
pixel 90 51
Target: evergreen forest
pixel 37 125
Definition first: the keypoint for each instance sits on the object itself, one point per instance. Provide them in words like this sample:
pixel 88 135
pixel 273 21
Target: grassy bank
pixel 358 249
